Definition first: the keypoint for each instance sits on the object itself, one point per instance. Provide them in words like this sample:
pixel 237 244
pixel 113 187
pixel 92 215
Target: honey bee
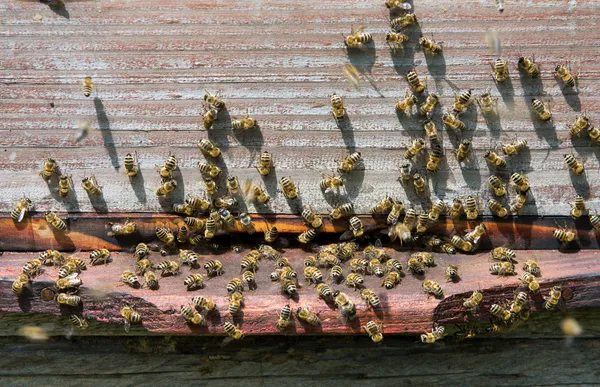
pixel 192 316
pixel 573 164
pixel 553 298
pixel 502 268
pixel 514 147
pixel 518 202
pixel 456 208
pixel 311 217
pixel 391 279
pixel 436 334
pixel 165 235
pixel 451 121
pixel 581 123
pixel 68 299
pixel 383 206
pixel 393 264
pixel 284 317
pixel 595 221
pixel 183 234
pixel 90 184
pixel 55 221
pixel 529 280
pixel 79 322
pixel 473 301
pixel 313 275
pixel 227 219
pixel 564 72
pixel 354 280
pixel 352 75
pixel 188 257
pixel 337 107
pixel 564 235
pixel 496 185
pixel 209 148
pixel 331 183
pixel 264 163
pixel 474 235
pixel 49 169
pixel 131 164
pixel 209 169
pixel 204 303
pixel 166 171
pixel 427 107
pixel 214 268
pixel 500 70
pixel 395 212
pixel 433 287
pixel 233 331
pixel 65 185
pixel 358 265
pixel 461 244
pixel 308 235
pixel 578 207
pixel 250 261
pixel 430 46
pixel 336 273
pixel 497 208
pixel 210 228
pixel 419 183
pixel 245 123
pixel 166 188
pixel 521 181
pixel 375 267
pixel 594 134
pixel 487 104
pixel 414 82
pixel 129 278
pixel 503 254
pixel 396 39
pixel 431 131
pixel 356 227
pixel 250 279
pixel 405 171
pixel 374 331
pixel 214 101
pixel 349 162
pixel 268 252
pixel 117 229
pixel 271 234
pixel 357 37
pixel 471 208
pixel 168 268
pixel 289 286
pixel 451 273
pixel 493 158
pixel 304 314
pixel 463 150
pixel 142 265
pixel 499 312
pixel 398 4
pixel 403 21
pixel 529 66
pixel 19 285
pixel 32 268
pixel 532 267
pixel 290 190
pixel 345 305
pixel 21 208
pixel 209 117
pixel 184 209
pixel 416 265
pixel 422 222
pixel 324 291
pixel 194 281
pixel 67 269
pixel 461 101
pixel 52 257
pixel 88 85
pixel 246 221
pixel 236 300
pixel 371 298
pixel 541 109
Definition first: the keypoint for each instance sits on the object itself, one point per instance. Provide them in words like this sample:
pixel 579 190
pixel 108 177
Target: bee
pixel 168 268
pixel 246 221
pixel 436 210
pixel 504 254
pixel 405 171
pixel 254 191
pixel 331 183
pixel 65 185
pixel 183 209
pixel 451 121
pixel 392 279
pixel 49 169
pixel 189 257
pixel 165 235
pixel 129 278
pixel 375 267
pixel 311 217
pixel 581 123
pixel 166 188
pixel 461 244
pixel 352 75
pixel 500 70
pixel 471 208
pixel 271 234
pixel 52 257
pixel 88 84
pixel 393 264
pixel 356 226
pixel 227 218
pixel 354 280
pixel 68 299
pixel 430 46
pixel 529 66
pixel 79 322
pixel 371 298
pixel 117 229
pixel 166 171
pixel 192 316
pixel 194 281
pixel 493 158
pixel 20 284
pixel 451 273
pixel 433 287
pixel 427 107
pixel 131 164
pixel 463 150
pixel 55 221
pixel 497 208
pixel 395 212
pixel 250 279
pixel 307 235
pixel 521 181
pixel 288 285
pixel 564 235
pixel 313 275
pixel 461 101
pixel 284 317
pixel 131 316
pixel 357 37
pixel 422 222
pixel 499 312
pixel 532 267
pixel 67 269
pixel 32 268
pixel 21 208
pixel 183 234
pixel 474 235
pixel 564 72
pixel 204 303
pixel 269 252
pixel 529 280
pixel 233 331
pixel 398 39
pixel 496 185
pixel 414 82
pixel 578 207
pixel 374 331
pixel 397 3
pixel 416 265
pixel 502 268
pixel 264 164
pixel 431 131
pixel 349 163
pixel 383 206
pixel 337 107
pixel 358 265
pixel 324 291
pixel 553 298
pixel 214 101
pixel 419 183
pixel 594 134
pixel 487 104
pixel 90 184
pixel 304 314
pixel 414 148
pixel 209 148
pixel 209 169
pixel 456 208
pixel 345 305
pixel 403 21
pixel 436 334
pixel 473 301
pixel 289 188
pixel 210 228
pixel 595 221
pixel 250 261
pixel 518 202
pixel 573 164
pixel 427 258
pixel 514 147
pixel 541 109
pixel 245 123
pixel 142 265
pixel 235 302
pixel 214 268
pixel 209 117
pixel 346 250
pixel 336 273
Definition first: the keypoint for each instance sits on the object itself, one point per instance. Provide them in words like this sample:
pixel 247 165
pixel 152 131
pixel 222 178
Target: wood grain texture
pixel 281 60
pixel 405 309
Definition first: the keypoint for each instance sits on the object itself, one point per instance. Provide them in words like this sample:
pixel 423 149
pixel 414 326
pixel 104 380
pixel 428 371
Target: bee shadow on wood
pixel 271 185
pixel 251 139
pixel 403 59
pixel 436 65
pixel 104 126
pixel 580 184
pixel 295 204
pixel 98 203
pixel 354 324
pixel 494 123
pixel 507 92
pixel 24 300
pixel 308 329
pixel 584 235
pixel 471 171
pixel 221 129
pixel 137 184
pixel 60 9
pixel 544 129
pixel 439 180
pixel 353 183
pixel 238 318
pixel 62 239
pixel 571 97
pixel 22 225
pixel 521 161
pixel 347 132
pixel 409 123
pixel 178 194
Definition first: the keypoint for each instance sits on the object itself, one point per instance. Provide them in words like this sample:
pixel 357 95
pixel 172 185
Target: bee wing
pixel 127 325
pixel 22 214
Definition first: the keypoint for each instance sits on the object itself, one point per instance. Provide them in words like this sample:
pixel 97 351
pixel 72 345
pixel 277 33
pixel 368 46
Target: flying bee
pixel 532 267
pixel 244 123
pixel 496 185
pixel 374 331
pixel 473 301
pixel 433 161
pixel 88 85
pixel 497 208
pixel 499 312
pixel 192 316
pixel 500 70
pixel 371 298
pixel 307 235
pixel 117 229
pixel 356 226
pixel 433 287
pixel 168 268
pixel 55 221
pixel 493 158
pixel 264 163
pixel 487 104
pixel 304 314
pixel 166 171
pixel 474 235
pixel 573 164
pixel 503 254
pixel 436 334
pixel 542 110
pixel 430 46
pixel 451 121
pixel 529 66
pixel 416 265
pixel 564 235
pixel 456 208
pixel 564 72
pixel 311 217
pixel 405 171
pixel 395 212
pixel 529 280
pixel 337 107
pixel 403 21
pixel 49 169
pixel 521 181
pixel 463 150
pixel 128 277
pixel 284 317
pixel 209 117
pixel 23 206
pixel 90 184
pixel 352 75
pixel 427 107
pixel 383 206
pixel 213 100
pixel 340 211
pixel 414 82
pixel 461 101
pixel 209 169
pixel 461 244
pixel 209 148
pixel 357 37
pixel 233 331
pixel 553 298
pixel 68 299
pixel 349 162
pixel 255 192
pixel 502 268
pixel 396 39
pixel 578 207
pixel 65 185
pixel 471 208
pixel 430 131
pixel 290 191
pixel 271 234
